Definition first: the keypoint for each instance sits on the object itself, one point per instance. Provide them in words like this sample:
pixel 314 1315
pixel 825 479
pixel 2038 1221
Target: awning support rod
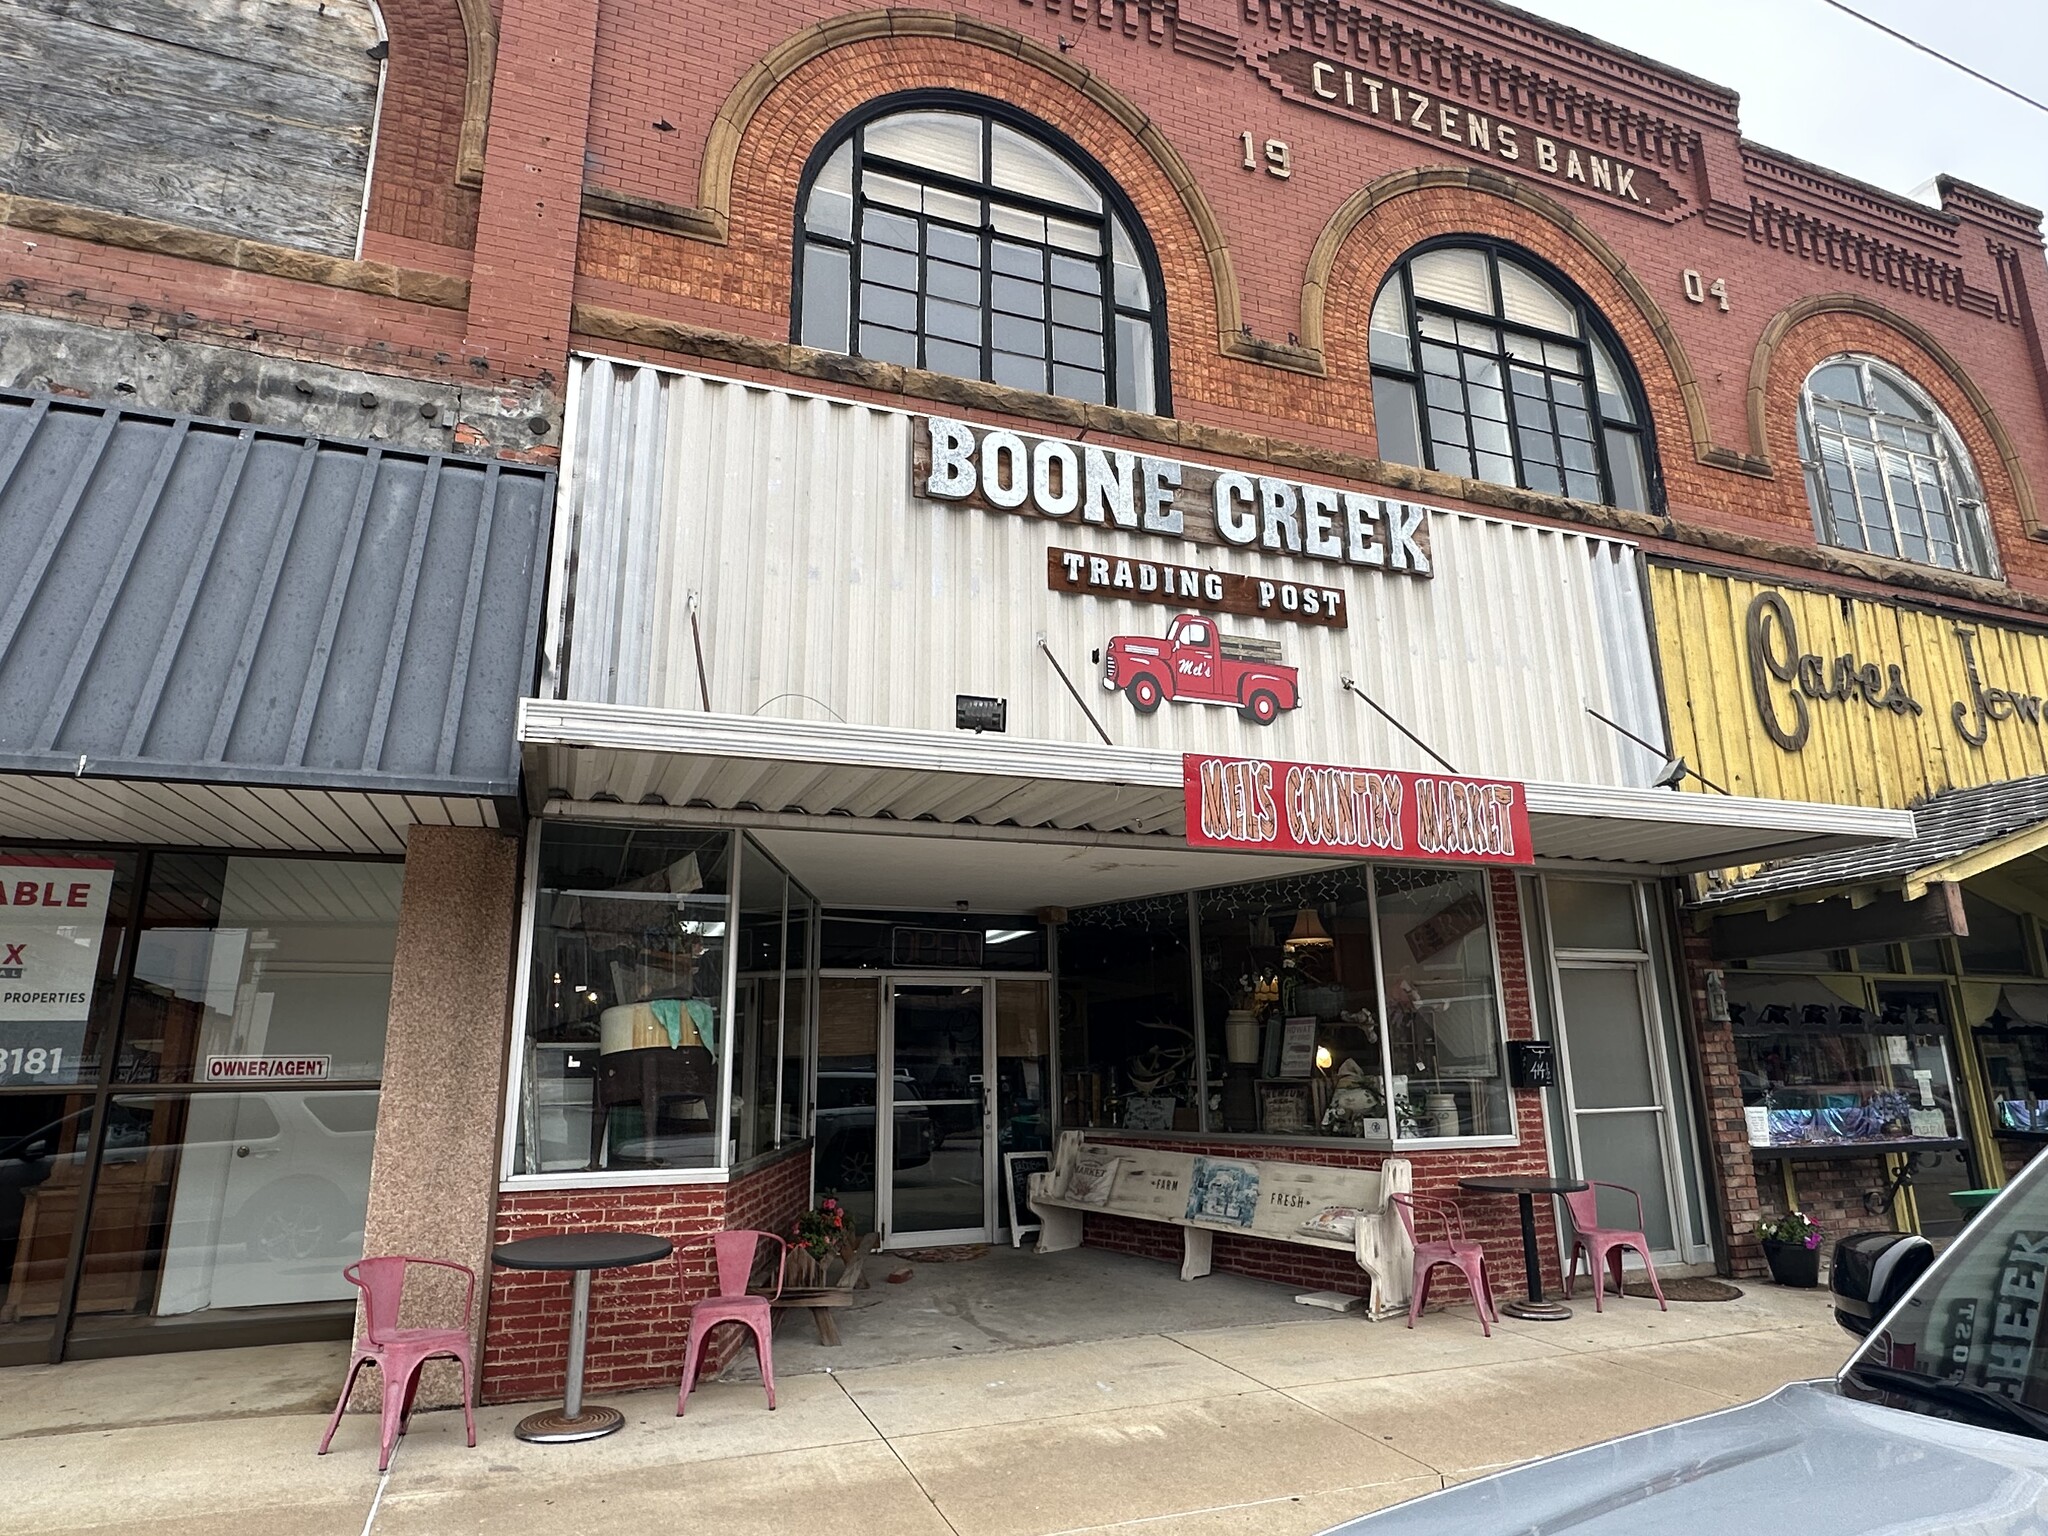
pixel 1678 767
pixel 1062 671
pixel 1441 760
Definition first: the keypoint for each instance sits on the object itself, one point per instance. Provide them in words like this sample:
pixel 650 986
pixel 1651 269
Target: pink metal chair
pixel 1454 1249
pixel 735 1255
pixel 1603 1245
pixel 399 1353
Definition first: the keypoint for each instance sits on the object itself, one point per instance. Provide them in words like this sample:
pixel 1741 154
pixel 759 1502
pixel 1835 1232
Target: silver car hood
pixel 1804 1460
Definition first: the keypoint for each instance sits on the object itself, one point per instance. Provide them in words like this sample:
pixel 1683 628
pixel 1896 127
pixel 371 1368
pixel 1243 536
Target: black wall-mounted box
pixel 1532 1063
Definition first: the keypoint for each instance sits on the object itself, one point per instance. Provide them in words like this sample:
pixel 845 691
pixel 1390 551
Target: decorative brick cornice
pixel 437 290
pixel 1496 27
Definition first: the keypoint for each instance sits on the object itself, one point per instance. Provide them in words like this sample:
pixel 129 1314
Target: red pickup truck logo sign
pixel 1254 804
pixel 1196 663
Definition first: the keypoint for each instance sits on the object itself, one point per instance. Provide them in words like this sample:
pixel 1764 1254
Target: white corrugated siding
pixel 826 589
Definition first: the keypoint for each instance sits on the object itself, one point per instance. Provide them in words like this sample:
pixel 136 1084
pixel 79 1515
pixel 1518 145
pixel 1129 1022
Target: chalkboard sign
pixel 1017 1170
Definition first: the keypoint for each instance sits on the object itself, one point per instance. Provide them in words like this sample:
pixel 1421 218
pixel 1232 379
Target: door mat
pixel 1688 1290
pixel 941 1255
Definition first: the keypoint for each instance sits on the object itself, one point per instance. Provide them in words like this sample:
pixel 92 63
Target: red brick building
pixel 1455 348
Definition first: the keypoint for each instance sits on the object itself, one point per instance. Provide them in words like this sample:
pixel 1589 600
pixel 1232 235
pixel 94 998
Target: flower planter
pixel 1793 1264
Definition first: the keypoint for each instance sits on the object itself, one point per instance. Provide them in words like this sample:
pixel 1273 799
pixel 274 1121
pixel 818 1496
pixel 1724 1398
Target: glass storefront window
pixel 1127 1048
pixel 62 916
pixel 931 941
pixel 849 1015
pixel 1827 1060
pixel 757 1003
pixel 247 965
pixel 2010 1030
pixel 158 993
pixel 1291 1007
pixel 638 941
pixel 214 1200
pixel 1445 1038
pixel 625 1016
pixel 1997 943
pixel 1355 1003
pixel 1593 914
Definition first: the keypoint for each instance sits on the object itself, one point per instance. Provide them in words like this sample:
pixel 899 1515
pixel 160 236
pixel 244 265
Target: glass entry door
pixel 935 1096
pixel 1616 1096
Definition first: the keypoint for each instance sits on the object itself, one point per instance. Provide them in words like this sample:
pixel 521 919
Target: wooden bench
pixel 806 1288
pixel 1278 1197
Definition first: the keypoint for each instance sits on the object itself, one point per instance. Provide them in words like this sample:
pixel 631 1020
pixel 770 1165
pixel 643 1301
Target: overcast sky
pixel 1823 86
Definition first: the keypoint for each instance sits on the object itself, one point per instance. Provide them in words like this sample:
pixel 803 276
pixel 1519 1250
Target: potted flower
pixel 815 1238
pixel 1792 1248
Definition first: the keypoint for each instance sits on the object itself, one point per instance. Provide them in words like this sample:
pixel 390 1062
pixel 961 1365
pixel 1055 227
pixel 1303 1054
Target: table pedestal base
pixel 556 1426
pixel 1537 1311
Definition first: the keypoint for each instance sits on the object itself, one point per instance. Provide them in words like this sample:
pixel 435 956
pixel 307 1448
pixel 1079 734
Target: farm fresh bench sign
pixel 1078 483
pixel 1272 807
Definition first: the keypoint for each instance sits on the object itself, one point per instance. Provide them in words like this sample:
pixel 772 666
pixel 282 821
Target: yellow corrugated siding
pixel 1856 753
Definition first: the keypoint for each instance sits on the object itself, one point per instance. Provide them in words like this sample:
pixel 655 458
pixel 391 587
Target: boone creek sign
pixel 1080 484
pixel 1254 804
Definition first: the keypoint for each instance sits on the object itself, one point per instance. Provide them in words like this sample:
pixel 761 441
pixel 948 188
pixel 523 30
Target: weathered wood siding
pixel 248 117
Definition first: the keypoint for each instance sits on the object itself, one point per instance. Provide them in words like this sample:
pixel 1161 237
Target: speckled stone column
pixel 434 1180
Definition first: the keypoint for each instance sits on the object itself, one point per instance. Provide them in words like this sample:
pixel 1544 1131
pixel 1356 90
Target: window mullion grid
pixel 988 287
pixel 986 193
pixel 854 262
pixel 1596 416
pixel 1878 447
pixel 1507 395
pixel 1106 307
pixel 1419 377
pixel 924 279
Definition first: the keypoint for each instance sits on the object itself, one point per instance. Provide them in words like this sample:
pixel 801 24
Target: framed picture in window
pixel 1285 1109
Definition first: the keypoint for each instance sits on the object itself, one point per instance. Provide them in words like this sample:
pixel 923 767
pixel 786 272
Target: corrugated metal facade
pixel 825 589
pixel 1854 751
pixel 199 601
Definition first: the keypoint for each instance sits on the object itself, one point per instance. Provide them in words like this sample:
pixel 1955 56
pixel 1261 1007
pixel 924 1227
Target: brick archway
pixel 1804 333
pixel 1363 239
pixel 991 54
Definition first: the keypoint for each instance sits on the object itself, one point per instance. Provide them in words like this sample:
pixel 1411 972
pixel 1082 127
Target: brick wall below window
pixel 638 1316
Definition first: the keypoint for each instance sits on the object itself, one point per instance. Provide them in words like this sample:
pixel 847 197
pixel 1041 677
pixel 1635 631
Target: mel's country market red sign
pixel 1253 804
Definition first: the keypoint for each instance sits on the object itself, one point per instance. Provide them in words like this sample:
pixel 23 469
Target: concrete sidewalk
pixel 1274 1427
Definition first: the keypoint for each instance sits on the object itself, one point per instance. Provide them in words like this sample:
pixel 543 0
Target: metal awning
pixel 1958 834
pixel 787 770
pixel 223 635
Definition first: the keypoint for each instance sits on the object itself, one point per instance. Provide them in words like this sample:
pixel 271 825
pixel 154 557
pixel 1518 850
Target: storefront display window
pixel 1291 1008
pixel 770 1008
pixel 1358 1004
pixel 1997 944
pixel 658 1007
pixel 1829 1061
pixel 626 1014
pixel 2011 1035
pixel 1445 1041
pixel 1127 1042
pixel 222 1144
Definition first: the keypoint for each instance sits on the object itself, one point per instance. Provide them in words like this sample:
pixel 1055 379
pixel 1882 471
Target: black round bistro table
pixel 1526 1188
pixel 581 1252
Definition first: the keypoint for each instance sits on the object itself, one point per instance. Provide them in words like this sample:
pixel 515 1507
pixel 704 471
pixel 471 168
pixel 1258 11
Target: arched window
pixel 960 237
pixel 1486 366
pixel 1885 472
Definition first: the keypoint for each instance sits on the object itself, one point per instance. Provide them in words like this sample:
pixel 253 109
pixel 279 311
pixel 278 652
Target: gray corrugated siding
pixel 190 599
